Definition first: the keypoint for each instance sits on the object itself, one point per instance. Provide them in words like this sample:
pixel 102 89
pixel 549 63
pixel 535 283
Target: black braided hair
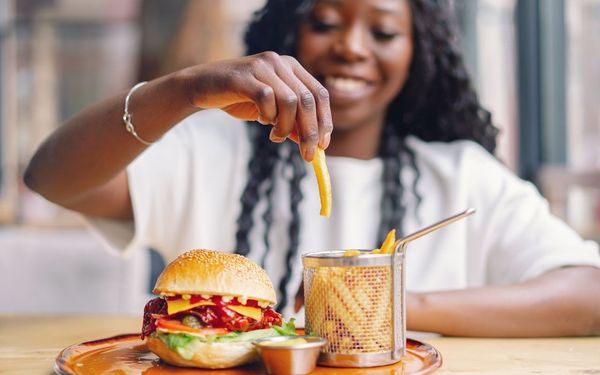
pixel 298 173
pixel 437 103
pixel 260 171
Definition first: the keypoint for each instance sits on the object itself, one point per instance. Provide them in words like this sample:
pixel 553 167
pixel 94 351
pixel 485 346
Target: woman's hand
pixel 271 89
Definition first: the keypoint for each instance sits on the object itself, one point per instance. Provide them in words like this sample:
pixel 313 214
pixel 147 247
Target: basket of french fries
pixel 355 299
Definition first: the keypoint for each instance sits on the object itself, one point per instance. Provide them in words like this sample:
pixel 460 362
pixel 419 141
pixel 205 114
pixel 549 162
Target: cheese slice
pixel 177 305
pixel 251 312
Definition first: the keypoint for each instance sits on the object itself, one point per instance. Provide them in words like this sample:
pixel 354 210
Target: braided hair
pixel 437 103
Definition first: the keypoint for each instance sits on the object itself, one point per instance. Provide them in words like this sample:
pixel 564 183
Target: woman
pixel 411 145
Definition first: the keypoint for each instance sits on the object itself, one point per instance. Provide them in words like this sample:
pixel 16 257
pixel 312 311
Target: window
pixel 583 114
pixel 66 54
pixel 535 66
pixel 489 44
pixel 8 160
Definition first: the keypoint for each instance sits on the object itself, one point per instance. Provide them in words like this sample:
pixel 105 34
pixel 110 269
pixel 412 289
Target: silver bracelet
pixel 127 116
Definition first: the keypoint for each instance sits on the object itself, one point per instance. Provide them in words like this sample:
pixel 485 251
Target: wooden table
pixel 29 345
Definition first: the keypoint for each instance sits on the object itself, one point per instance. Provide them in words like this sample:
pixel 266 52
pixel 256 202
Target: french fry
pixel 353 294
pixel 387 247
pixel 323 180
pixel 379 302
pixel 341 305
pixel 361 311
pixel 350 309
pixel 351 253
pixel 346 344
pixel 314 300
pixel 382 311
pixel 350 303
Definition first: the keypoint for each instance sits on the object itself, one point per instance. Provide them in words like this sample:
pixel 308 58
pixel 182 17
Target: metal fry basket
pixel 357 304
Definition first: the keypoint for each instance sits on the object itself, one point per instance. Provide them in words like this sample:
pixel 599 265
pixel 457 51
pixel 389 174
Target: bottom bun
pixel 214 356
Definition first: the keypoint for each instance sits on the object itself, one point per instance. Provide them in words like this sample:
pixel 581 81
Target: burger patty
pixel 222 317
pixel 218 316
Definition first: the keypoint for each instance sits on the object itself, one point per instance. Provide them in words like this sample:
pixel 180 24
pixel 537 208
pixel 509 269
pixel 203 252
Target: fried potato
pixel 387 247
pixel 323 180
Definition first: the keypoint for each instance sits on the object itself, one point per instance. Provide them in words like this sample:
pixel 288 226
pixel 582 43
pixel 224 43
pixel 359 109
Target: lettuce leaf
pixel 182 342
pixel 174 341
pixel 178 342
pixel 287 329
pixel 246 336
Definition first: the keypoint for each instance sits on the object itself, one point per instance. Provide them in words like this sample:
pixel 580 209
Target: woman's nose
pixel 352 44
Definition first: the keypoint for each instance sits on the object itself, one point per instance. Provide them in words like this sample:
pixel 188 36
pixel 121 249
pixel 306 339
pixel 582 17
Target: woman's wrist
pixel 185 82
pixel 159 105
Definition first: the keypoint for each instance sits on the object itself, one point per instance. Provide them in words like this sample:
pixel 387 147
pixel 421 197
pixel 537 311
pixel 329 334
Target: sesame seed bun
pixel 215 273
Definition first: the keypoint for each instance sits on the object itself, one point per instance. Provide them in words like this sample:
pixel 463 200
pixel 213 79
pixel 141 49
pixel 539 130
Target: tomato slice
pixel 175 325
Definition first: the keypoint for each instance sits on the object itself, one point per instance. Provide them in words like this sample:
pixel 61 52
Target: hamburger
pixel 212 305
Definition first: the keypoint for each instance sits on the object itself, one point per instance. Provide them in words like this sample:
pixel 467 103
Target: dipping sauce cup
pixel 289 355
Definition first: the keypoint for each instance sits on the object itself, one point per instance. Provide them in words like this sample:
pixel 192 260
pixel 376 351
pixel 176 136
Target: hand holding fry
pixel 268 88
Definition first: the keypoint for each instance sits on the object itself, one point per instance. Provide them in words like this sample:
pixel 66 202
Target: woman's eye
pixel 321 26
pixel 384 35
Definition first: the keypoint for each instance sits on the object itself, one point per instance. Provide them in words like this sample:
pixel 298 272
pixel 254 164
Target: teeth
pixel 345 84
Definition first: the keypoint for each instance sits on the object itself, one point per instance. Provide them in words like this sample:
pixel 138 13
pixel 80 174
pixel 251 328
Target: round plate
pixel 127 354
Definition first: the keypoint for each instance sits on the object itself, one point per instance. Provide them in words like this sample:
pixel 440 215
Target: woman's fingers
pixel 306 123
pixel 321 97
pixel 246 98
pixel 264 99
pixel 271 89
pixel 302 102
pixel 286 98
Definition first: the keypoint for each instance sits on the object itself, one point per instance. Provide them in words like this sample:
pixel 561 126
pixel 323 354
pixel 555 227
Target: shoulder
pixel 454 157
pixel 466 168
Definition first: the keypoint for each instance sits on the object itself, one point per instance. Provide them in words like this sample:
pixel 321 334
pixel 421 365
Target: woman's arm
pixel 562 302
pixel 82 165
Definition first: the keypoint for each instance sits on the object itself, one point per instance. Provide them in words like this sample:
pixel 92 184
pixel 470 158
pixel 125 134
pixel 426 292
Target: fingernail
pixel 275 138
pixel 309 153
pixel 325 142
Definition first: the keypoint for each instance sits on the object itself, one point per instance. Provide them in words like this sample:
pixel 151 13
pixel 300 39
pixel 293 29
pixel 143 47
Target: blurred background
pixel 535 64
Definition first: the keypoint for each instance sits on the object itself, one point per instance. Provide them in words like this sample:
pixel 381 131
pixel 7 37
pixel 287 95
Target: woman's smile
pixel 344 90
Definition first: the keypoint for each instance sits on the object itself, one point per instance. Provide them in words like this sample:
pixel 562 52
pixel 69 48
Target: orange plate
pixel 127 354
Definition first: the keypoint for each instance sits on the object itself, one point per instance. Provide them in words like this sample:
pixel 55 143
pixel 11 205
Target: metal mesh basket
pixel 357 304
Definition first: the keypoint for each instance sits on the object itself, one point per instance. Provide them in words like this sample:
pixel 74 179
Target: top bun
pixel 215 273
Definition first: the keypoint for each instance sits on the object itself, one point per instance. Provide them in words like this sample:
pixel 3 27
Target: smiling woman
pixel 375 40
pixel 379 84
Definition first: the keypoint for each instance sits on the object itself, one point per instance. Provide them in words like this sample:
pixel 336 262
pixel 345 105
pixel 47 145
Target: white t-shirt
pixel 186 194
